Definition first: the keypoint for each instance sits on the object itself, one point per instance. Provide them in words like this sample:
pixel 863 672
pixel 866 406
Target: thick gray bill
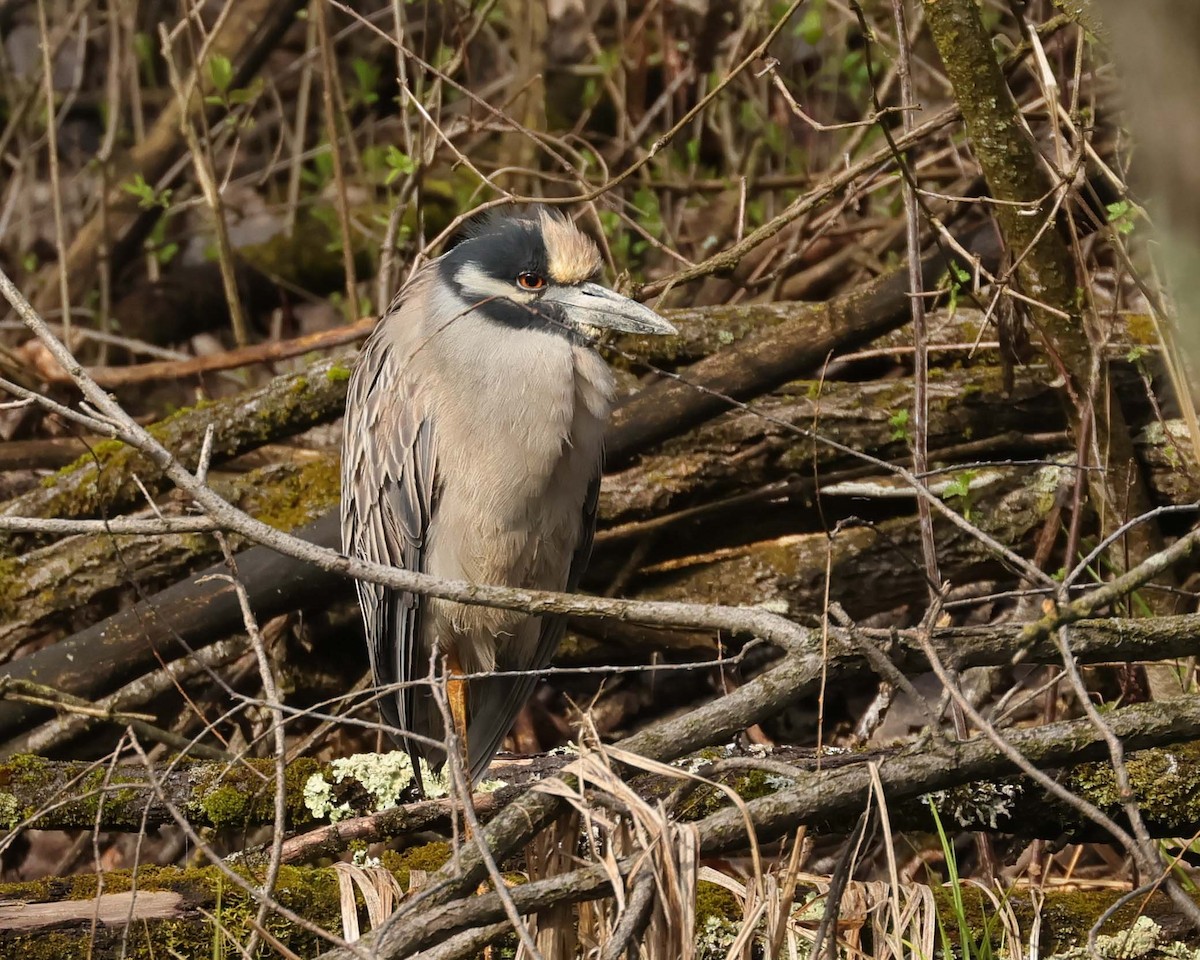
pixel 597 306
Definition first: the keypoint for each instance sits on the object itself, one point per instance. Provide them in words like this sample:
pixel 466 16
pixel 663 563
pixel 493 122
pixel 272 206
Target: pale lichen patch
pixel 318 800
pixel 1140 939
pixel 383 776
pixel 985 803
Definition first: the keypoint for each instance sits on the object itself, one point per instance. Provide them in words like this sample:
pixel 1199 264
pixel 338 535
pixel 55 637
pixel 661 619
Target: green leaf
pixel 145 193
pixel 400 164
pixel 1121 216
pixel 220 69
pixel 646 201
pixel 960 485
pixel 810 27
pixel 244 95
pixel 367 75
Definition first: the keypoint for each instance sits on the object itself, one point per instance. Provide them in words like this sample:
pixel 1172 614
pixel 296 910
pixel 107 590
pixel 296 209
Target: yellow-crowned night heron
pixel 473 446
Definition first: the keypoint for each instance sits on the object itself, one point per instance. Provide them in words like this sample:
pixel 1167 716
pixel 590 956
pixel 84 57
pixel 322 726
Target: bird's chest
pixel 514 472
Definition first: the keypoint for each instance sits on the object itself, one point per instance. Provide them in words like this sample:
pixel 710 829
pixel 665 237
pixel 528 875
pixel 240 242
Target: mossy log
pixel 767 358
pixel 967 327
pixel 44 794
pixel 173 911
pixel 745 450
pixel 199 911
pixel 737 454
pixel 868 567
pixel 42 588
pixel 105 480
pixel 172 623
pixel 972 417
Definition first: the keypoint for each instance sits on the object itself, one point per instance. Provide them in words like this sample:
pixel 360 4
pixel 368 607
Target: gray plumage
pixel 473 449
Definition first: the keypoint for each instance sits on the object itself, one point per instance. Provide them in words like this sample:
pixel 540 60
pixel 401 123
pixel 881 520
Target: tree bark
pixel 1016 177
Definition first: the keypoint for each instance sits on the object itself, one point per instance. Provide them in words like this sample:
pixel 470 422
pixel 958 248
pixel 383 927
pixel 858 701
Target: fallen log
pixel 106 481
pixel 175 621
pixel 765 359
pixel 240 795
pixel 166 908
pixel 777 438
pixel 52 585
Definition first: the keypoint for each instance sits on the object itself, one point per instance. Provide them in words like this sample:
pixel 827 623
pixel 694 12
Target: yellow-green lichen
pixel 718 920
pixel 10 811
pixel 318 800
pixel 287 497
pixel 1165 783
pixel 426 858
pixel 384 777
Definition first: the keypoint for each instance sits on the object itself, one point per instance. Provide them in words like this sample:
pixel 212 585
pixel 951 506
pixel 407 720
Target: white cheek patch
pixel 478 286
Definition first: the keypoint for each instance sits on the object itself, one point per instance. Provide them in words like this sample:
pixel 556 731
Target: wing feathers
pixel 388 477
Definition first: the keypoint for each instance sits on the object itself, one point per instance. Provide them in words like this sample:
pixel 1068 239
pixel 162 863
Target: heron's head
pixel 538 268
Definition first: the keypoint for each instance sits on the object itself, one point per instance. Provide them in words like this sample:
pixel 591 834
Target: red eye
pixel 530 281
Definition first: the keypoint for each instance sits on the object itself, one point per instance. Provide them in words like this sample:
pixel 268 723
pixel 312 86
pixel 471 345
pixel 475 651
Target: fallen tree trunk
pixel 240 795
pixel 42 588
pixel 731 466
pixel 105 482
pixel 192 912
pixel 865 566
pixel 172 623
pixel 765 359
pixel 777 440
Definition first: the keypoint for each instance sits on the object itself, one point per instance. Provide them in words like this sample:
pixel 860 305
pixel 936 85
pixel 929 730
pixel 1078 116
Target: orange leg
pixel 456 693
pixel 456 690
